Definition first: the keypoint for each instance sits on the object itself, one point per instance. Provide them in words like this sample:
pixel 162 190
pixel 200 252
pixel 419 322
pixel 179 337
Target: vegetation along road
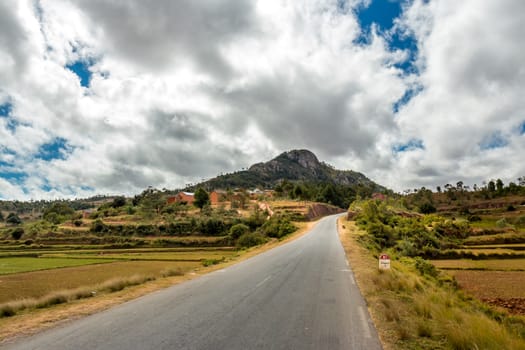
pixel 301 295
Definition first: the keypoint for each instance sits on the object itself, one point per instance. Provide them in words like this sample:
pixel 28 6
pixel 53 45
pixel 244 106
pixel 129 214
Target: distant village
pixel 219 196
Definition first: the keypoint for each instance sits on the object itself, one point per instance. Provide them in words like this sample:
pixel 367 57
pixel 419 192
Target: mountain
pixel 292 166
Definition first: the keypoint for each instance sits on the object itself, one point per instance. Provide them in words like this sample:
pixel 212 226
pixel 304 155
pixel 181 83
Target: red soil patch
pixel 504 289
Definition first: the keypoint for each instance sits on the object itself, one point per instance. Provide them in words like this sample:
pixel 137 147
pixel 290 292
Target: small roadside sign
pixel 384 262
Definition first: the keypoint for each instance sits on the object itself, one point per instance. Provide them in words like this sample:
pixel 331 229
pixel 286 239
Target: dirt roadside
pixel 363 266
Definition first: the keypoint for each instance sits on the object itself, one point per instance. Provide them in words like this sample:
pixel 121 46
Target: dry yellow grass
pixel 40 283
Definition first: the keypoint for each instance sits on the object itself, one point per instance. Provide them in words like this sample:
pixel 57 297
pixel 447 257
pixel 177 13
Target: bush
pixel 7 310
pixel 118 202
pixel 17 233
pixel 13 219
pixel 250 240
pixel 212 227
pixel 277 227
pixel 427 208
pixel 238 230
pixel 98 226
pixel 425 267
pixel 474 218
pixel 58 213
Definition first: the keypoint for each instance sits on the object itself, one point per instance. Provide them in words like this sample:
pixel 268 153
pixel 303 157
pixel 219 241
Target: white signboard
pixel 384 262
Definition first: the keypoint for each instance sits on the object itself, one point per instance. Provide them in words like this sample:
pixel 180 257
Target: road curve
pixel 301 295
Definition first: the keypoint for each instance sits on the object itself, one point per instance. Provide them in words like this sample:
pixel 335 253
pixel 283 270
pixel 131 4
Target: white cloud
pixel 184 92
pixel 471 56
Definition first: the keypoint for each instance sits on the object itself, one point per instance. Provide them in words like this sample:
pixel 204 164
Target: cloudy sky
pixel 113 96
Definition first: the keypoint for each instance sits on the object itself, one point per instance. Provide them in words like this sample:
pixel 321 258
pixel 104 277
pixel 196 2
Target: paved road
pixel 301 295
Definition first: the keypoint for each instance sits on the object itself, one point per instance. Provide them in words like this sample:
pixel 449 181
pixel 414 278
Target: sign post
pixel 384 262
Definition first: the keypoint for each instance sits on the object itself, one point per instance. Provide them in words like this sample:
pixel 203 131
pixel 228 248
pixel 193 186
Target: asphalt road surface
pixel 301 295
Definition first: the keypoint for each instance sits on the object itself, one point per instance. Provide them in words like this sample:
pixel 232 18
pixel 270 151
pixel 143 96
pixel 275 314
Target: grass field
pixel 37 284
pixel 48 271
pixel 489 264
pixel 152 256
pixel 25 264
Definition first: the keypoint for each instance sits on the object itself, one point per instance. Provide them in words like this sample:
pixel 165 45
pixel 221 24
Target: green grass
pixel 25 264
pixel 501 238
pixel 153 256
pixel 489 264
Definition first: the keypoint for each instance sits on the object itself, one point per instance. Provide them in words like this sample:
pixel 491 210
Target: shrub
pixel 118 202
pixel 13 219
pixel 427 208
pixel 17 233
pixel 238 230
pixel 7 310
pixel 98 226
pixel 277 227
pixel 172 272
pixel 250 240
pixel 425 267
pixel 212 227
pixel 58 213
pixel 474 218
pixel 77 223
pixel 210 262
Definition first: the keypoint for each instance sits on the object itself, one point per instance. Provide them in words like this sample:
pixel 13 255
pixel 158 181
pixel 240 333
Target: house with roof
pixel 182 197
pixel 217 196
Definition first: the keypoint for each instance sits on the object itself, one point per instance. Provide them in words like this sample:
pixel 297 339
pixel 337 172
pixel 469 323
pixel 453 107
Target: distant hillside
pixel 292 166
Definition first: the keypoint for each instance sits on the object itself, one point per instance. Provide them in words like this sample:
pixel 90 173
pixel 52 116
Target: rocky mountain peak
pixel 303 157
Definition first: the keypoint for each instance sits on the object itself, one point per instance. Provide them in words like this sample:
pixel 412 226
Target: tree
pixel 58 213
pixel 491 186
pixel 238 230
pixel 13 219
pixel 499 185
pixel 427 208
pixel 118 202
pixel 1 216
pixel 202 198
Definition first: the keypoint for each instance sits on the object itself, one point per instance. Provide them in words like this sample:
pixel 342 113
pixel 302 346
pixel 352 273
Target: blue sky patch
pixel 56 149
pixel 46 187
pixel 13 176
pixel 409 146
pixel 6 110
pixel 522 128
pixel 407 96
pixel 493 141
pixel 383 13
pixel 81 69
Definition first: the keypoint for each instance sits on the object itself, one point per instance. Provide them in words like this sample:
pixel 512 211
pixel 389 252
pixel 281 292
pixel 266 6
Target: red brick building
pixel 182 197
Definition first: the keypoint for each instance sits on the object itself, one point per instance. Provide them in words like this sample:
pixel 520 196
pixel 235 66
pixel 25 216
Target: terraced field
pixel 496 274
